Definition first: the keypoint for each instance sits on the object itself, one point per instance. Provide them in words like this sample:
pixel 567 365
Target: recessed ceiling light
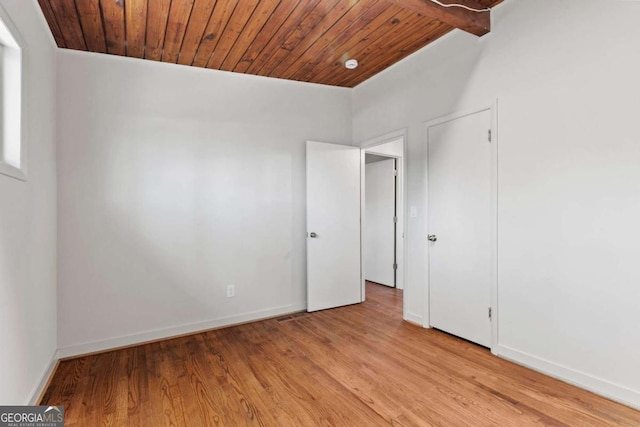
pixel 351 64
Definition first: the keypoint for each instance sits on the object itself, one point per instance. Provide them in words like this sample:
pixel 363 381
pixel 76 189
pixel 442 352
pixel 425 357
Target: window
pixel 12 147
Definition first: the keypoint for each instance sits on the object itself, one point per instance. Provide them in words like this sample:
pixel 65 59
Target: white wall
pixel 569 176
pixel 173 183
pixel 27 226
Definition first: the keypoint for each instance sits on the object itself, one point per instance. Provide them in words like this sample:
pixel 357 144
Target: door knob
pixel 432 237
pixel 313 235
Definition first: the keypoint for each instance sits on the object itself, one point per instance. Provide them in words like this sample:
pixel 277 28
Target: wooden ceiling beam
pixel 478 23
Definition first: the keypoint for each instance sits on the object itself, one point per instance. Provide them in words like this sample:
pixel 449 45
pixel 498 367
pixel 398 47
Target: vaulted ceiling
pixel 305 40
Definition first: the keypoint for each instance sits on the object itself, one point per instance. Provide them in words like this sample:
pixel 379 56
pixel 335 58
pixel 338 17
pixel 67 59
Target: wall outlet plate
pixel 231 291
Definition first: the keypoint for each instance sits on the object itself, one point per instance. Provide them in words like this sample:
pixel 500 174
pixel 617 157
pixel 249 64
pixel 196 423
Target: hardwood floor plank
pixel 373 368
pixel 250 379
pixel 138 408
pixel 436 388
pixel 360 365
pixel 174 410
pixel 321 399
pixel 235 405
pixel 71 375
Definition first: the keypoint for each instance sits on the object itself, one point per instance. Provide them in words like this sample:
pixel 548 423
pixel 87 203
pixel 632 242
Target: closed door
pixel 459 224
pixel 379 222
pixel 333 225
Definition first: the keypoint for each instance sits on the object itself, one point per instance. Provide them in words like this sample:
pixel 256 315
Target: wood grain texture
pixel 157 21
pixel 217 23
pixel 66 14
pixel 471 21
pixel 398 46
pixel 256 23
pixel 235 26
pixel 308 55
pixel 360 365
pixel 333 53
pixel 136 27
pixel 179 15
pixel 200 15
pixel 91 21
pixel 333 59
pixel 279 16
pixel 114 26
pixel 50 16
pixel 305 40
pixel 306 32
pixel 297 15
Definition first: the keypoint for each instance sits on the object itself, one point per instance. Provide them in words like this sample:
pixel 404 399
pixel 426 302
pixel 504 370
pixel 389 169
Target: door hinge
pixel 490 138
pixel 490 314
pixel 395 172
pixel 395 219
pixel 395 266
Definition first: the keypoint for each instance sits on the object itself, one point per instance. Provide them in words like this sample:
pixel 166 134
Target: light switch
pixel 413 213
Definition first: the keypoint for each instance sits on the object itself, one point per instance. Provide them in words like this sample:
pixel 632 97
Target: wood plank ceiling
pixel 305 40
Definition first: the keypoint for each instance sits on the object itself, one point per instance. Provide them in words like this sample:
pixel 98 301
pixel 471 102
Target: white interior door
pixel 379 225
pixel 333 225
pixel 459 202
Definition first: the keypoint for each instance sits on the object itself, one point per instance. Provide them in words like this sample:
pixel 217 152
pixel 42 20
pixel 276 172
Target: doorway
pixel 380 220
pixel 335 183
pixel 390 153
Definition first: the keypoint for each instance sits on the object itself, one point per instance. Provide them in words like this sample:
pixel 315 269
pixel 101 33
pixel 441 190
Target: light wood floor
pixel 353 366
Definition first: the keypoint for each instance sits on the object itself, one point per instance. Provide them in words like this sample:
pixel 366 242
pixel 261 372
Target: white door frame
pixel 368 146
pixel 493 108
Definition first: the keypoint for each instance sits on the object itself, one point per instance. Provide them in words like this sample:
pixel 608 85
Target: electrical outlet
pixel 231 291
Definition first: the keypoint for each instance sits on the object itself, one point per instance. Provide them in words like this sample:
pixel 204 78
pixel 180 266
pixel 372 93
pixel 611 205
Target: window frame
pixel 12 43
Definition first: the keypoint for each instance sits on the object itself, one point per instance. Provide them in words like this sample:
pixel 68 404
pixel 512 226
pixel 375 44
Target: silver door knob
pixel 313 235
pixel 432 237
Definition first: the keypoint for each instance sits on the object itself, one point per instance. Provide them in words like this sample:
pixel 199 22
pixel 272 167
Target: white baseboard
pixel 158 334
pixel 596 385
pixel 413 318
pixel 43 381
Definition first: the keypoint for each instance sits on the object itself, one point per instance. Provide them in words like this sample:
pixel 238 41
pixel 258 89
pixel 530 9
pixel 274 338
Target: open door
pixel 333 225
